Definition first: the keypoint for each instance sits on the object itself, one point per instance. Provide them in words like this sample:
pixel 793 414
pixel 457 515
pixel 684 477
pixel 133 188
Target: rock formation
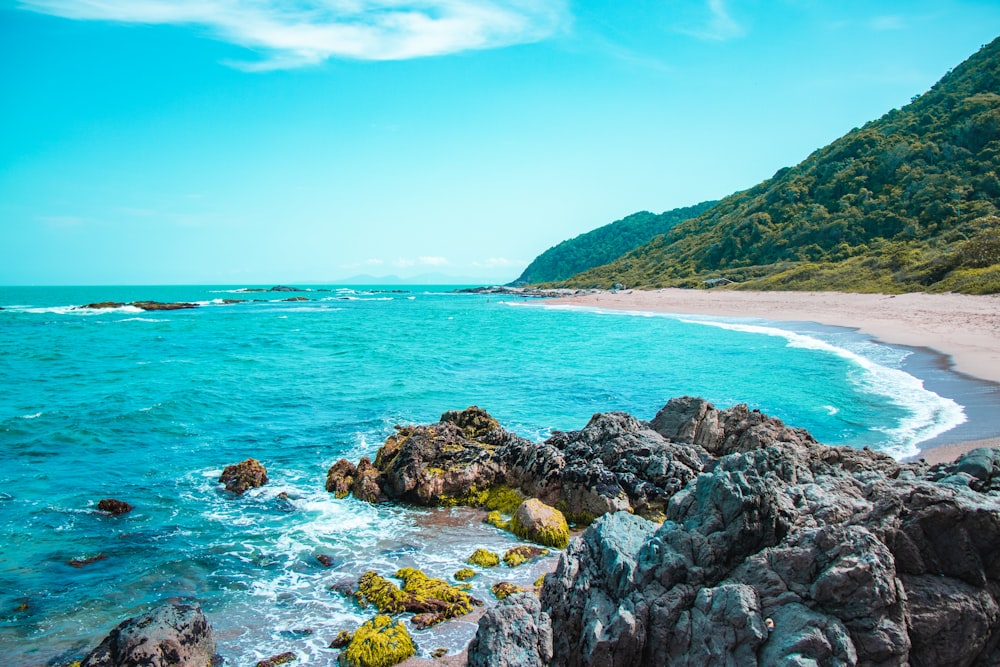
pixel 244 475
pixel 774 549
pixel 513 633
pixel 170 635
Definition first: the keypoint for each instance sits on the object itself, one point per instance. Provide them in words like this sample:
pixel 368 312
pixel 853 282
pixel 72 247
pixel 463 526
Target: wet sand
pixel 964 328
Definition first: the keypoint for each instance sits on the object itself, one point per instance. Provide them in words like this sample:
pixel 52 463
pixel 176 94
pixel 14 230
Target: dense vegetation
pixel 908 202
pixel 604 244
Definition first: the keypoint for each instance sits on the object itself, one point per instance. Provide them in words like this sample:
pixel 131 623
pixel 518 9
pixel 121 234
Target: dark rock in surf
pixel 242 476
pixel 280 659
pixel 156 305
pixel 102 305
pixel 284 288
pixel 114 507
pixel 171 635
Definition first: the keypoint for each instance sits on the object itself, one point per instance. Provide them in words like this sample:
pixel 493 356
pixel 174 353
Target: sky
pixel 314 141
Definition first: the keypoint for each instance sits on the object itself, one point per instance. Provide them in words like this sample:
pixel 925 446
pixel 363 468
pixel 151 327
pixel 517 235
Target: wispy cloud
pixel 432 261
pixel 883 23
pixel 719 25
pixel 295 33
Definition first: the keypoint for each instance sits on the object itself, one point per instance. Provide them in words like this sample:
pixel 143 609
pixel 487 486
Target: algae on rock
pixel 380 642
pixel 538 522
pixel 483 558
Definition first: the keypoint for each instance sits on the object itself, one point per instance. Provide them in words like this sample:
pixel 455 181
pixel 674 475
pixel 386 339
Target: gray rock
pixel 171 635
pixel 513 633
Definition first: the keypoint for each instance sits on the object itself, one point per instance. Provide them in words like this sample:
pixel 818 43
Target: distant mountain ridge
pixel 909 202
pixel 604 244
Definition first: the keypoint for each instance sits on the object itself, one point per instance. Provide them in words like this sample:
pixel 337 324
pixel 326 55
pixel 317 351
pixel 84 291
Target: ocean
pixel 150 406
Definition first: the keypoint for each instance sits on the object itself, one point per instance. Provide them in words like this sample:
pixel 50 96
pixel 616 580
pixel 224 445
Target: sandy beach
pixel 965 328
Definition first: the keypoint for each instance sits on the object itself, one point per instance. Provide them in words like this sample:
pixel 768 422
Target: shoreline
pixel 961 328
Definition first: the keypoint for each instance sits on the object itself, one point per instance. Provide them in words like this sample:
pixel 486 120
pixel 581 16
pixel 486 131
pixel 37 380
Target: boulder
pixel 513 633
pixel 174 634
pixel 380 642
pixel 242 476
pixel 538 522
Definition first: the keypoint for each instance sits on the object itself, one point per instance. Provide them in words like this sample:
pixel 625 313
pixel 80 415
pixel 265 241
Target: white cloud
pixel 374 261
pixel 719 25
pixel 305 32
pixel 432 261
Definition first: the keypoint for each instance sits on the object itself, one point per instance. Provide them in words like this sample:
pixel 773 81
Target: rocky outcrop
pixel 172 635
pixel 779 550
pixel 728 537
pixel 513 633
pixel 614 463
pixel 240 477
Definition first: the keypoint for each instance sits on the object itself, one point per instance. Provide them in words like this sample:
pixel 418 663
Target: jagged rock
pixel 513 633
pixel 773 549
pixel 245 475
pixel 172 635
pixel 340 477
pixel 114 507
pixel 537 522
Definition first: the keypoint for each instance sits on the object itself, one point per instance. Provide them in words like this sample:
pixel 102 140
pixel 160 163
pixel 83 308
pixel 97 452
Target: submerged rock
pixel 114 507
pixel 171 635
pixel 242 476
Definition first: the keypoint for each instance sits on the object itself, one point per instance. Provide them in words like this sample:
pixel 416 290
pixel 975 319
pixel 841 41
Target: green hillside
pixel 604 244
pixel 908 202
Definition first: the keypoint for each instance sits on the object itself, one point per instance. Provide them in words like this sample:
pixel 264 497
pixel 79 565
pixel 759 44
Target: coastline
pixel 962 328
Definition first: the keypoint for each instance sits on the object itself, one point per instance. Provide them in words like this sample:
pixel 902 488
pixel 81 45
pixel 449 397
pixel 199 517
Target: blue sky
pixel 265 141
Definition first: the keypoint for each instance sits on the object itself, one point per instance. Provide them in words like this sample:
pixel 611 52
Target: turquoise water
pixel 149 407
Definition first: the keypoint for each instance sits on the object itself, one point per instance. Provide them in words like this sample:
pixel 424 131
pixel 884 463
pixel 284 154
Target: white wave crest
pixel 930 413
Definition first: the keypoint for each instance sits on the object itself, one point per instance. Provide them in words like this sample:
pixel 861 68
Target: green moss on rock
pixel 483 558
pixel 380 642
pixel 465 574
pixel 538 522
pixel 522 554
pixel 431 592
pixel 376 590
pixel 502 589
pixel 540 581
pixel 494 518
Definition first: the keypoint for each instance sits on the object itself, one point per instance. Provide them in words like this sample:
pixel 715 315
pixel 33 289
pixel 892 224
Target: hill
pixel 604 244
pixel 908 202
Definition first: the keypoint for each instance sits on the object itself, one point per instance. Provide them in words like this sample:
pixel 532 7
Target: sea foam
pixel 930 414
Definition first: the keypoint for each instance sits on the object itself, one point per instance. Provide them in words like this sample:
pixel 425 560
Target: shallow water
pixel 150 406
